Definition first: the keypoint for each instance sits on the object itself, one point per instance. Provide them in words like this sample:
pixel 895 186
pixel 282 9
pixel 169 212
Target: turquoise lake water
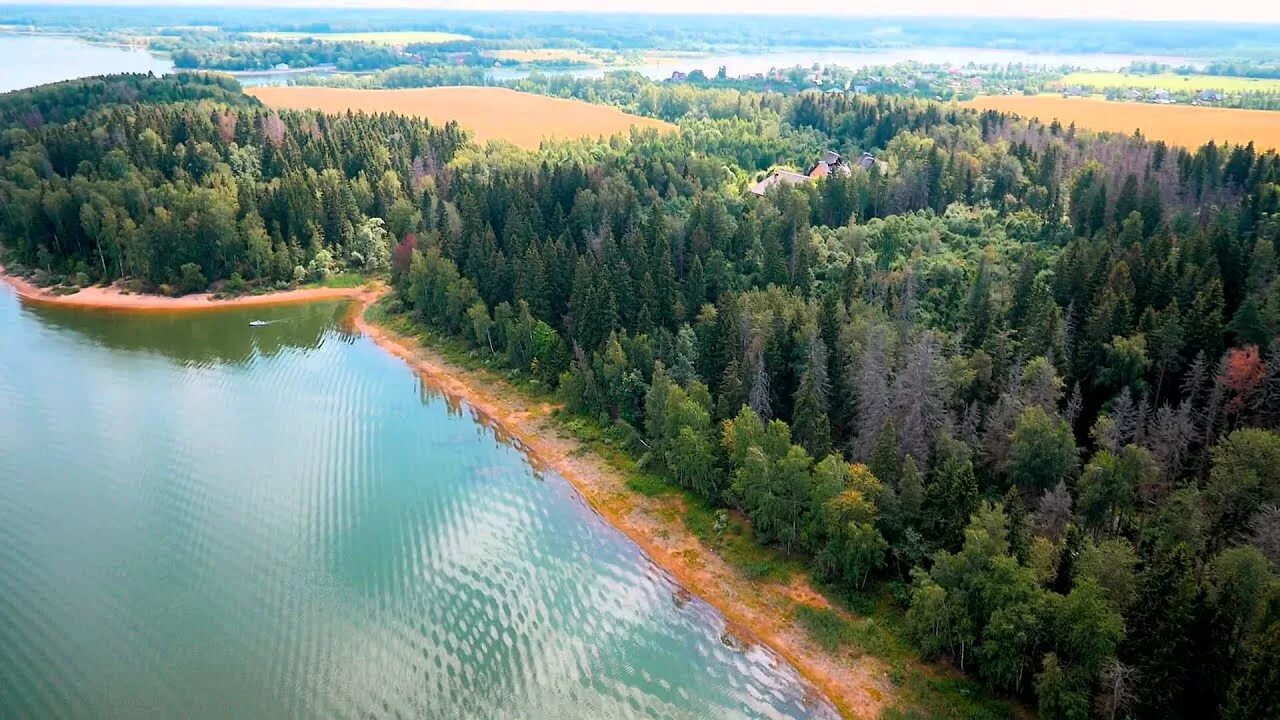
pixel 201 519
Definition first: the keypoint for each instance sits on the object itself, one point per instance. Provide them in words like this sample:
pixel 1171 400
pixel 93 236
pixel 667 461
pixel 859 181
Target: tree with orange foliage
pixel 1242 375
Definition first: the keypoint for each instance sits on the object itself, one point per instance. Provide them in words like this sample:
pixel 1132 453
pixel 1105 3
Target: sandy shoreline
pixel 112 298
pixel 756 612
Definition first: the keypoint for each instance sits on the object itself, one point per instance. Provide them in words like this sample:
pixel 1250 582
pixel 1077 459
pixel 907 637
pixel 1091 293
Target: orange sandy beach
pixel 113 298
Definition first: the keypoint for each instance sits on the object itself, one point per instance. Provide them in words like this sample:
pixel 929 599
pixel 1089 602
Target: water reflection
pixel 222 337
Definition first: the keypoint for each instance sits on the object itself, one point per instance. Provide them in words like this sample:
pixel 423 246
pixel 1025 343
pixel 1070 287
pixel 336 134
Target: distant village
pixel 929 81
pixel 1159 96
pixel 950 82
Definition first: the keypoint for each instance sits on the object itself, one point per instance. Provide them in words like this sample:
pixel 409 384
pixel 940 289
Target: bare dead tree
pixel 1264 533
pixel 1116 693
pixel 1053 512
pixel 920 397
pixel 871 383
pixel 997 435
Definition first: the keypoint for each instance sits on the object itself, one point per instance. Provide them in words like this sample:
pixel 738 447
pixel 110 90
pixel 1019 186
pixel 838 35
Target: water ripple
pixel 201 521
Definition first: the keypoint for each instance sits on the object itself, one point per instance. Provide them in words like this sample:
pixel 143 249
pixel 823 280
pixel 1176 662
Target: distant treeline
pixel 300 53
pixel 1262 69
pixel 622 31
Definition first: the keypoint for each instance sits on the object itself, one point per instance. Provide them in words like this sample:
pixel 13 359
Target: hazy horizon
pixel 1228 11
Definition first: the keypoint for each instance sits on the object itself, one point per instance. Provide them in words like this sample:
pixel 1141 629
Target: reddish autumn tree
pixel 1242 375
pixel 402 254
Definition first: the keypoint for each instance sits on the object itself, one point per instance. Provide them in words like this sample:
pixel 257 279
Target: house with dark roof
pixel 869 161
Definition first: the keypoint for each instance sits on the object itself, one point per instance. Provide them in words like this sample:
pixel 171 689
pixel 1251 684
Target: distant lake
pixel 746 63
pixel 202 519
pixel 30 60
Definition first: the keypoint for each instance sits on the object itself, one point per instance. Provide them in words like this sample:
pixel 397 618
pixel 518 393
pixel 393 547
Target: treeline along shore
pixel 1007 393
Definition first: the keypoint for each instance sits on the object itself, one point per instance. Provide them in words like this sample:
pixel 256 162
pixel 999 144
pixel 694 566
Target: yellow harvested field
pixel 489 113
pixel 546 55
pixel 1169 81
pixel 1185 125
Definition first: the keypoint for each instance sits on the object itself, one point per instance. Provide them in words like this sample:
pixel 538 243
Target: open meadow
pixel 548 55
pixel 490 113
pixel 1170 81
pixel 382 38
pixel 1185 125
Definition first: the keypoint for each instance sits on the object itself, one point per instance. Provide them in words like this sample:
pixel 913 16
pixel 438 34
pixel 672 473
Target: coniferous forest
pixel 1026 376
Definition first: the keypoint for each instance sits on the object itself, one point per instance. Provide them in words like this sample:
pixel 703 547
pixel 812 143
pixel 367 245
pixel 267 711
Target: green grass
pixel 343 280
pixel 825 626
pixel 731 538
pixel 649 485
pixel 922 691
pixel 380 38
pixel 1170 81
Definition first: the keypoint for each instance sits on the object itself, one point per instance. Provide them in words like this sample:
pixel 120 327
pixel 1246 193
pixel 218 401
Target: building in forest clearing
pixel 831 162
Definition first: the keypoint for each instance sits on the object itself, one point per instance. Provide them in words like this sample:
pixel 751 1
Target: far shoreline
pixel 112 298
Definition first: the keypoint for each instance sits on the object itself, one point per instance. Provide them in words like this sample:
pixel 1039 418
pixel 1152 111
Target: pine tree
pixel 911 492
pixel 809 423
pixel 884 458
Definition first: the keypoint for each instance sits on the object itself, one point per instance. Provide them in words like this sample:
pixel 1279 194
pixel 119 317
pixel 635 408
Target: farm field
pixel 1184 125
pixel 490 113
pixel 383 38
pixel 547 55
pixel 1170 81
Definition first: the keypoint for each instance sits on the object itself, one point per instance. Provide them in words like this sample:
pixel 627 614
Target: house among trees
pixel 831 162
pixel 868 161
pixel 776 177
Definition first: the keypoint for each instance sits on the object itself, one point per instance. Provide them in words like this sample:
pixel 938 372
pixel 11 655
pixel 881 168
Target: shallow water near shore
pixel 199 518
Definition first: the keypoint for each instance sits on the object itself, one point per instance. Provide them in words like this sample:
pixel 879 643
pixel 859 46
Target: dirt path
pixel 760 612
pixel 113 298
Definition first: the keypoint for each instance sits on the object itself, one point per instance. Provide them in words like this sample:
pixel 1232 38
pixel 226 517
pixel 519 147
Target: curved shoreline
pixel 114 299
pixel 857 687
pixel 759 612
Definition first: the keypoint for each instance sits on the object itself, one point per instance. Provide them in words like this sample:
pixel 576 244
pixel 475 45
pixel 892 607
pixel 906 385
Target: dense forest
pixel 1024 376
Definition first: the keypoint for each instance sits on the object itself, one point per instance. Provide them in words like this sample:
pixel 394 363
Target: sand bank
pixel 113 298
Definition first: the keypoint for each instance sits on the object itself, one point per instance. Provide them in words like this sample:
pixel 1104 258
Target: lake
pixel 660 66
pixel 30 60
pixel 64 58
pixel 201 519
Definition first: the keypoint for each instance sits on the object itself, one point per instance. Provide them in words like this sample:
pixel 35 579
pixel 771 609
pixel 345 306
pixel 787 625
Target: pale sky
pixel 1266 11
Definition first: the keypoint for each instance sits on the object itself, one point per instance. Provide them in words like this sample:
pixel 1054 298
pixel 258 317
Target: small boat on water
pixel 258 323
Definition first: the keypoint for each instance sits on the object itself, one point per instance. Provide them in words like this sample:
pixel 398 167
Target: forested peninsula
pixel 1018 382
